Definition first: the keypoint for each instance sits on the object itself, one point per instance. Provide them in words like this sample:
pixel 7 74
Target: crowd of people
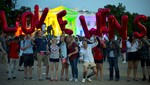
pixel 70 50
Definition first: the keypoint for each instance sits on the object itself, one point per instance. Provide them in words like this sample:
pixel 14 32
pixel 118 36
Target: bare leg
pixel 52 70
pixel 66 71
pixel 62 70
pixel 101 71
pixel 56 67
pixel 130 63
pixel 47 70
pixel 98 68
pixel 135 65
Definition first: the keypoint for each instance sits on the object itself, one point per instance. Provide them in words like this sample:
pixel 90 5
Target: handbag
pixel 64 60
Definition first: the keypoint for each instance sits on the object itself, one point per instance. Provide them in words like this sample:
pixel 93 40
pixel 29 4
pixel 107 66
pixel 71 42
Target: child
pixel 54 58
pixel 14 58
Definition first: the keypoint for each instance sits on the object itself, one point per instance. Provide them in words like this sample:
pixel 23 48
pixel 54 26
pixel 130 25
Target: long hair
pixel 99 43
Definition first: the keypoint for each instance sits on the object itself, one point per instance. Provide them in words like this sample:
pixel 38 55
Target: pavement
pixel 122 67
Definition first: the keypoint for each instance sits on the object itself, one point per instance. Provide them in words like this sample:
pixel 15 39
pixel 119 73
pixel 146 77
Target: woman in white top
pixel 133 57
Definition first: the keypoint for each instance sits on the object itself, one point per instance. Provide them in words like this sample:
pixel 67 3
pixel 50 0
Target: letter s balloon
pixel 141 27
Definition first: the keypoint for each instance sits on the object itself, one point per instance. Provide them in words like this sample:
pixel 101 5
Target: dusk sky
pixel 139 6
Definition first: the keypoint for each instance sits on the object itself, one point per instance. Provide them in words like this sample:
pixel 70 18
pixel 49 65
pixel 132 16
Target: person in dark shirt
pixel 145 57
pixel 3 53
pixel 42 51
pixel 72 51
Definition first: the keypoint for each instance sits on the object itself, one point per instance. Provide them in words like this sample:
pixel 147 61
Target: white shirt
pixel 111 54
pixel 132 48
pixel 86 54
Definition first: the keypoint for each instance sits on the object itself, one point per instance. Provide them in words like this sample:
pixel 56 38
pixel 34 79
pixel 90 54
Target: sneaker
pixel 124 62
pixel 89 79
pixel 25 78
pixel 9 78
pixel 71 79
pixel 20 70
pixel 83 80
pixel 76 80
pixel 67 79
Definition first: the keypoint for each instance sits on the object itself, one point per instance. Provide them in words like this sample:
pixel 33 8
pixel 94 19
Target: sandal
pixel 67 79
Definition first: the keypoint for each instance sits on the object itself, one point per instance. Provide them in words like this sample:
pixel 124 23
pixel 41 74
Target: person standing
pixel 42 51
pixel 145 57
pixel 72 52
pixel 26 47
pixel 64 57
pixel 54 59
pixel 14 58
pixel 133 57
pixel 3 53
pixel 20 55
pixel 87 56
pixel 98 58
pixel 112 49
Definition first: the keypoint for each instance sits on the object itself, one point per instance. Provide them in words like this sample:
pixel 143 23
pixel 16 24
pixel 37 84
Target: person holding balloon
pixel 42 51
pixel 145 57
pixel 112 48
pixel 64 57
pixel 133 57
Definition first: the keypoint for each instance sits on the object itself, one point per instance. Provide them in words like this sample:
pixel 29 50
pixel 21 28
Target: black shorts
pixel 145 62
pixel 54 60
pixel 98 61
pixel 133 56
pixel 28 60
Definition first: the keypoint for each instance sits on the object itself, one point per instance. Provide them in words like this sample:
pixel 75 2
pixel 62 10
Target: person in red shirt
pixel 72 52
pixel 14 58
pixel 98 58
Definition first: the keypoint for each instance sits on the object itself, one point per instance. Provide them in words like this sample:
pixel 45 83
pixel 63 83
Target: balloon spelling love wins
pixel 101 16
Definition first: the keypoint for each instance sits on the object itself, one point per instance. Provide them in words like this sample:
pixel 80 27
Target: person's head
pixel 28 36
pixel 2 33
pixel 54 40
pixel 16 39
pixel 69 39
pixel 40 33
pixel 84 43
pixel 132 38
pixel 145 37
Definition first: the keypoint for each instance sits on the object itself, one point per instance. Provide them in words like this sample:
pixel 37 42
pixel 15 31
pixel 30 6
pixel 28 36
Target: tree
pixel 12 14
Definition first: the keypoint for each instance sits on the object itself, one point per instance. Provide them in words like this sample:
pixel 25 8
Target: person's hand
pixel 81 59
pixel 5 53
pixel 69 55
pixel 48 52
